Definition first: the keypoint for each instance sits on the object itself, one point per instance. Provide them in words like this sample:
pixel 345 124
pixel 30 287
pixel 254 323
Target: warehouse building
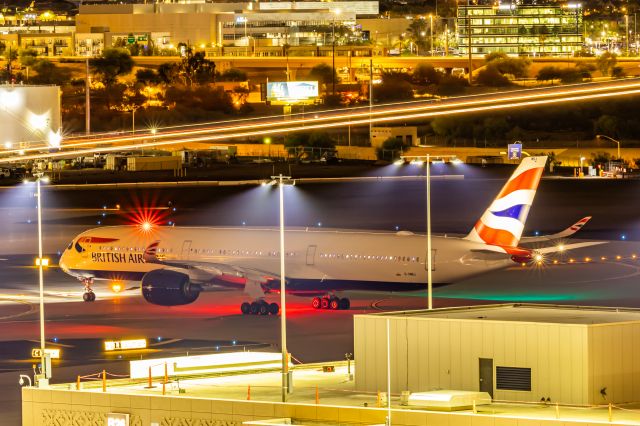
pixel 515 352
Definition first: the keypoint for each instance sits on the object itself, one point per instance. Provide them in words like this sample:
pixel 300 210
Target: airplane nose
pixel 62 263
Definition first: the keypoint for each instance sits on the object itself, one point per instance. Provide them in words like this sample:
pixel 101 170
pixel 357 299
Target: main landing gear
pixel 259 307
pixel 89 295
pixel 331 302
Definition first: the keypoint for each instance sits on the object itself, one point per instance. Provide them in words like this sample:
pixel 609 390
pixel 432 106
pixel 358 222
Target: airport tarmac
pixel 313 336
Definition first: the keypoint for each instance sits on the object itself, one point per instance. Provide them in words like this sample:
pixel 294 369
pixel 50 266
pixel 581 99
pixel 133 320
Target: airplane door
pixel 433 260
pixel 311 255
pixel 186 250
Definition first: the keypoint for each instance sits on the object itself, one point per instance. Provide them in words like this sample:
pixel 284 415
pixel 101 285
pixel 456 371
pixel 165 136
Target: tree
pixel 49 73
pixel 549 73
pixel 168 72
pixel 28 57
pixel 608 125
pixel 111 64
pixel 195 68
pixel 394 87
pixel 617 72
pixel 322 73
pixel 233 74
pixel 389 148
pixel 425 74
pixel 491 76
pixel 606 62
pixel 417 32
pixel 147 76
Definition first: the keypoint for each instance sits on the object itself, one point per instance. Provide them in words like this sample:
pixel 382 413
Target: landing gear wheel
pixel 274 309
pixel 344 304
pixel 316 303
pixel 264 308
pixel 324 304
pixel 245 308
pixel 255 308
pixel 334 303
pixel 89 296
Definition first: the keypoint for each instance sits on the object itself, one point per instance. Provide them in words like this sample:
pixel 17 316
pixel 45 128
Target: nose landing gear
pixel 89 295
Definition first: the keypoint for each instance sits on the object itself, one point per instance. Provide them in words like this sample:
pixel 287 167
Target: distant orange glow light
pixel 116 287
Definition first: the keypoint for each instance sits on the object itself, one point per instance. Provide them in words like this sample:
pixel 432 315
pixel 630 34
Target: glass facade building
pixel 518 29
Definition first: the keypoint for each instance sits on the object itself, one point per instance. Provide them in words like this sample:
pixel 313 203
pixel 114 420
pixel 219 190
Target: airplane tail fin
pixel 503 222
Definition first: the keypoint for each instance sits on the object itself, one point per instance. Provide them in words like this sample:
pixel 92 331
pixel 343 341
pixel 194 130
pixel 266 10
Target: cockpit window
pixel 70 245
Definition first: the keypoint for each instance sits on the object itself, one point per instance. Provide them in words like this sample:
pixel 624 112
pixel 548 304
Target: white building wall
pixel 30 115
pixel 614 362
pixel 429 354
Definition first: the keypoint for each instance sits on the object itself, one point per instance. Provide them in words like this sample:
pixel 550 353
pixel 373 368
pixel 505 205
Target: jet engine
pixel 168 288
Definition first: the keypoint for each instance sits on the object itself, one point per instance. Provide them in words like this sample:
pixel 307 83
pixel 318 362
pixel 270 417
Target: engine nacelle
pixel 168 288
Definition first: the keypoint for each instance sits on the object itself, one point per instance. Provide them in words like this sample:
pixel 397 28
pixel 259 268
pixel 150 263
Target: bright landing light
pixel 146 226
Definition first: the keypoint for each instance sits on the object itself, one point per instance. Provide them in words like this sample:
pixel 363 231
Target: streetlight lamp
pixel 431 35
pixel 336 12
pixel 283 307
pixel 612 140
pixel 41 262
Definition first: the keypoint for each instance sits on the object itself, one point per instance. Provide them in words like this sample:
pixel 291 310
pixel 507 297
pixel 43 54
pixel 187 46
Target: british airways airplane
pixel 175 264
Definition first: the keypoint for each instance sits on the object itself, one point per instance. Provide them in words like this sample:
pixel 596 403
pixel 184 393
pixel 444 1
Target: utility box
pixel 515 352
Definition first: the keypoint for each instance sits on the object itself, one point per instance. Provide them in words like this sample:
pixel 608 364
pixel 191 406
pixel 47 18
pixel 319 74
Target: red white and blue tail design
pixel 503 222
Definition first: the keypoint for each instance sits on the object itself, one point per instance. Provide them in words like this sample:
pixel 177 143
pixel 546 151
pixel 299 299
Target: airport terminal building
pixel 515 352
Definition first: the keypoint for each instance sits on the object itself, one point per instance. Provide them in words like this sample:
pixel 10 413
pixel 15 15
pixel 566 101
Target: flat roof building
pixel 515 352
pixel 518 29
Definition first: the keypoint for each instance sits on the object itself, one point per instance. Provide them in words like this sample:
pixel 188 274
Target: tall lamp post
pixel 336 12
pixel 612 140
pixel 283 307
pixel 426 159
pixel 41 262
pixel 431 35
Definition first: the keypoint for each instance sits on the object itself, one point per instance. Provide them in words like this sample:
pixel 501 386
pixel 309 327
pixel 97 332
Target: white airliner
pixel 175 264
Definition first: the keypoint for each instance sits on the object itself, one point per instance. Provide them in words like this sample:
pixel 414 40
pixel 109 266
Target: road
pixel 312 335
pixel 386 113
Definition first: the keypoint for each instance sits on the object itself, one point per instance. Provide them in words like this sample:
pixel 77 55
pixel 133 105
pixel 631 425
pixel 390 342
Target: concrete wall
pixel 430 354
pixel 614 362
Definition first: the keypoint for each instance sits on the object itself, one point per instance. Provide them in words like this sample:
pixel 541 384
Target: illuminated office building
pixel 519 29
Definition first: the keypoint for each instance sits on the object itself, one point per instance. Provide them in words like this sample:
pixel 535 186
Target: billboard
pixel 30 116
pixel 292 92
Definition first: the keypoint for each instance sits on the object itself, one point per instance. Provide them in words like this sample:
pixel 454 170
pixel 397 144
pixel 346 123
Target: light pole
pixel 133 119
pixel 336 12
pixel 429 256
pixel 431 34
pixel 41 263
pixel 283 306
pixel 429 266
pixel 612 140
pixel 581 174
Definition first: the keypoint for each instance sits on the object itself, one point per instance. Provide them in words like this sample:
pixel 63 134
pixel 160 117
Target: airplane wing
pixel 562 234
pixel 563 247
pixel 255 281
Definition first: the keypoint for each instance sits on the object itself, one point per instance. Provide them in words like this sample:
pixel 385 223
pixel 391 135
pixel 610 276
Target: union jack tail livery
pixel 503 222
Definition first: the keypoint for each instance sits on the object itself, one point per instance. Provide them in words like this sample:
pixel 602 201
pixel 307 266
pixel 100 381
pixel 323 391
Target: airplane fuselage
pixel 316 259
